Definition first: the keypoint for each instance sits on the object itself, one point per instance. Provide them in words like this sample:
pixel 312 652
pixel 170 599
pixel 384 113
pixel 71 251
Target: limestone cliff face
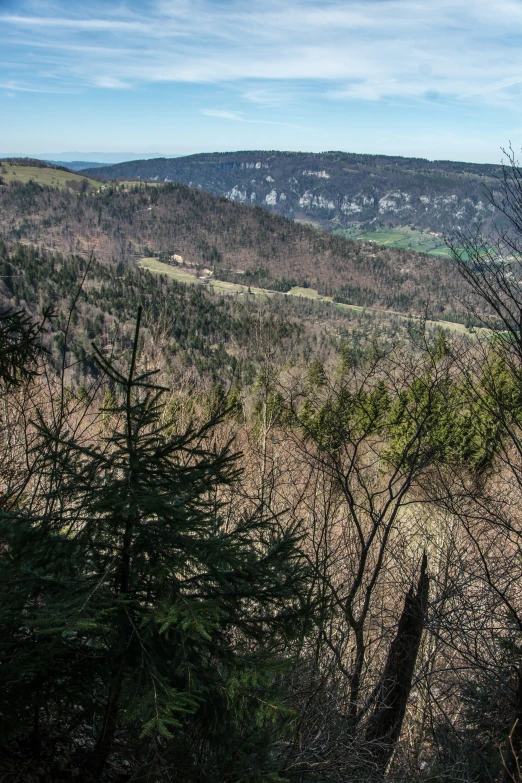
pixel 334 189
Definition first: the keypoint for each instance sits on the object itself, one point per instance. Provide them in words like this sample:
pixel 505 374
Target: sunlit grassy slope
pixel 55 178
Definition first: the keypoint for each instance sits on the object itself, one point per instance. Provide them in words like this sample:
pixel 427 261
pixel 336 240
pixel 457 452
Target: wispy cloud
pixel 223 114
pixel 366 50
pixel 14 88
pixel 495 87
pixel 96 25
pixel 112 83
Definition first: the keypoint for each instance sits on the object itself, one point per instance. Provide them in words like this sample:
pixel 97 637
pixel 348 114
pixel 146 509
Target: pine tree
pixel 20 344
pixel 133 609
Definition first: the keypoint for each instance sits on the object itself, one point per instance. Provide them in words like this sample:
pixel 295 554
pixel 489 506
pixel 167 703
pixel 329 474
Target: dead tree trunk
pixel 384 726
pixel 512 760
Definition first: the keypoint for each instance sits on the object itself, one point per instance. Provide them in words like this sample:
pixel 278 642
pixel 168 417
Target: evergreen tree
pixel 134 609
pixel 19 344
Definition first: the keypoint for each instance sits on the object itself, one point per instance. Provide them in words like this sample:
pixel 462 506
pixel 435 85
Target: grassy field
pixel 153 265
pixel 127 184
pixel 183 276
pixel 311 293
pixel 401 237
pixel 43 176
pixel 308 293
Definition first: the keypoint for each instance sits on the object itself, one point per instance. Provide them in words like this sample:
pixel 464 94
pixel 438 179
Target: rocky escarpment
pixel 335 189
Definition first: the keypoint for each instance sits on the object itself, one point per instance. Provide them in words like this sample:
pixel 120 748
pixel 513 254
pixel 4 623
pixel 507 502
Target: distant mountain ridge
pixel 78 165
pixel 107 158
pixel 334 189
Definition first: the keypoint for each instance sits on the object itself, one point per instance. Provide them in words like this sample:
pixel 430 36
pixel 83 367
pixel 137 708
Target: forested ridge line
pixel 333 189
pixel 124 224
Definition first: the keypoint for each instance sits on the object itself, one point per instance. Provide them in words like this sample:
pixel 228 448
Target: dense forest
pixel 247 539
pixel 209 333
pixel 125 222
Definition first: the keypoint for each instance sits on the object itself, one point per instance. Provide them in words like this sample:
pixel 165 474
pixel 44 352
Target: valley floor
pixel 186 275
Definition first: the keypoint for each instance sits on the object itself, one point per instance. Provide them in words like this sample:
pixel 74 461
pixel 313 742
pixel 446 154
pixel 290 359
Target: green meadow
pixel 54 178
pixel 400 237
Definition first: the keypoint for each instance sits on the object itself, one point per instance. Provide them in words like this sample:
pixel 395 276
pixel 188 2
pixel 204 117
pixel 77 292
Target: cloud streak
pixel 363 50
pixel 224 114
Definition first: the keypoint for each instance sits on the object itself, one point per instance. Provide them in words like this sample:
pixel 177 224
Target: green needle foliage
pixel 19 345
pixel 143 615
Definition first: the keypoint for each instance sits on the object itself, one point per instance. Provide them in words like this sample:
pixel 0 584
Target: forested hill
pixel 122 224
pixel 334 189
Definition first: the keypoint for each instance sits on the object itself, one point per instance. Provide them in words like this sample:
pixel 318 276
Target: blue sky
pixel 430 78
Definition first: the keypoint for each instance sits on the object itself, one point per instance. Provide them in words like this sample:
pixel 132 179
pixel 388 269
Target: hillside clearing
pixel 54 178
pixel 401 237
pixel 183 276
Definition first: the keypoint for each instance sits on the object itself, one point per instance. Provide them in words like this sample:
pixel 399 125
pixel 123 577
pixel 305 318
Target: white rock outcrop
pixel 236 194
pixel 319 174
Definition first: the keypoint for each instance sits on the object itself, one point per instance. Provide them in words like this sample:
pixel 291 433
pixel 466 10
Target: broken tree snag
pixel 384 726
pixel 512 760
